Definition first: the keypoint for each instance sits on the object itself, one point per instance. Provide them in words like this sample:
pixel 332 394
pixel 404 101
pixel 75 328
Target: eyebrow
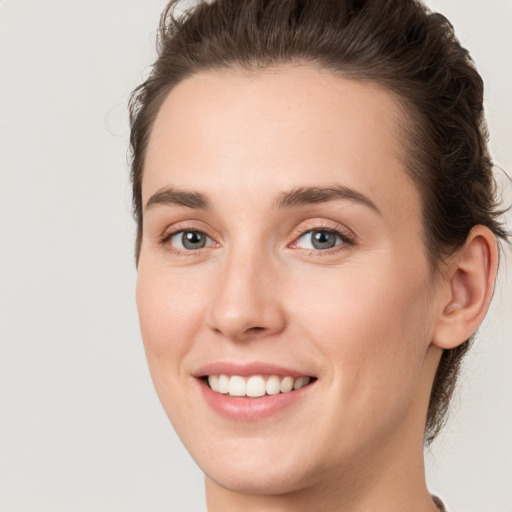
pixel 173 197
pixel 303 196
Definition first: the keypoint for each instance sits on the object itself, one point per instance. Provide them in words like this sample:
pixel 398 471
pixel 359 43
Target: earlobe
pixel 469 288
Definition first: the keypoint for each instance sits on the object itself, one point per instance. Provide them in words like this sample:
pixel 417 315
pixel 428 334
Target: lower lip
pixel 250 409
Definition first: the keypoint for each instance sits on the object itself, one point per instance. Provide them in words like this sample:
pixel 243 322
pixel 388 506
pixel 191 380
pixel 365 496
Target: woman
pixel 317 244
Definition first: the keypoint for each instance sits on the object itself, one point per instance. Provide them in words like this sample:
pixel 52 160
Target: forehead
pixel 294 125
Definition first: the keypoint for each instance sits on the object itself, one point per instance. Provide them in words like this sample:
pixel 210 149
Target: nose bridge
pixel 245 301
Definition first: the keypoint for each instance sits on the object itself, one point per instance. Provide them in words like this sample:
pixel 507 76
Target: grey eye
pixel 189 240
pixel 319 240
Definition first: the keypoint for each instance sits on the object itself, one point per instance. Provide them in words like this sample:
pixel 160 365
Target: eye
pixel 188 240
pixel 320 239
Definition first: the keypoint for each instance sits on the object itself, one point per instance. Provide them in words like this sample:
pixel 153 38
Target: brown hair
pixel 397 44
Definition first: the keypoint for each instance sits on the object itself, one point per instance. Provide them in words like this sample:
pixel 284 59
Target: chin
pixel 258 467
pixel 263 480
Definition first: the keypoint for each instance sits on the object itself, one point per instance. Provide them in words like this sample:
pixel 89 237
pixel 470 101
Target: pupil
pixel 323 239
pixel 193 240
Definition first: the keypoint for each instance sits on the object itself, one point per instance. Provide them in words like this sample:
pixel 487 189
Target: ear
pixel 469 285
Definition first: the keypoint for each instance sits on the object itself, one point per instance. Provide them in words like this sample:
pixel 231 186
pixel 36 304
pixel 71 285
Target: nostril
pixel 256 329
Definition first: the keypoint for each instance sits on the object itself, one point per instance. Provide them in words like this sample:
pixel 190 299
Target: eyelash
pixel 346 240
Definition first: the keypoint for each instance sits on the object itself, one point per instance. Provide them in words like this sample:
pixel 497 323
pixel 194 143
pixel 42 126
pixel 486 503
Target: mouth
pixel 255 386
pixel 252 391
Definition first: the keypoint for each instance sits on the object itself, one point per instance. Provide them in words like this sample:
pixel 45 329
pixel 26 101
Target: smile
pixel 253 391
pixel 255 386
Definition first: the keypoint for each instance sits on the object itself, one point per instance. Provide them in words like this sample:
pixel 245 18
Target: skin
pixel 366 318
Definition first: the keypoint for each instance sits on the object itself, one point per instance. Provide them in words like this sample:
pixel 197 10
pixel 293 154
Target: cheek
pixel 364 304
pixel 169 315
pixel 373 327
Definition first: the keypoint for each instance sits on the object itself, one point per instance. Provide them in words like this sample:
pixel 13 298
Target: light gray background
pixel 81 428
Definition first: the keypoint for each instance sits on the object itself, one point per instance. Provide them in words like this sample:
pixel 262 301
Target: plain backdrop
pixel 81 428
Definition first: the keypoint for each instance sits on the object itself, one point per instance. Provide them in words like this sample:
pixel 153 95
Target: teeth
pixel 273 385
pixel 286 384
pixel 300 382
pixel 237 386
pixel 213 380
pixel 223 383
pixel 256 385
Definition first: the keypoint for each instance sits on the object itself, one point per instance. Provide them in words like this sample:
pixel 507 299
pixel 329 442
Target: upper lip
pixel 247 369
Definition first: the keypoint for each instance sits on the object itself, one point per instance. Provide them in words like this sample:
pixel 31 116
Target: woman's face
pixel 282 246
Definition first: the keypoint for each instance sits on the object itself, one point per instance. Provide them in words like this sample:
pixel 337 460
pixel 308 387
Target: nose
pixel 246 301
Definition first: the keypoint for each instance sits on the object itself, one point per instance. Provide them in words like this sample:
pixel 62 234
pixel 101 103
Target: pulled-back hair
pixel 397 44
